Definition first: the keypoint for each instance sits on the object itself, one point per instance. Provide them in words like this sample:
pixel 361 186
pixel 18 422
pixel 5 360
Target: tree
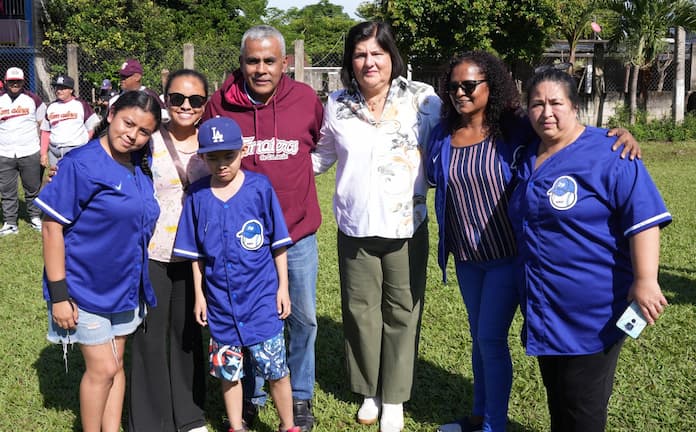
pixel 641 26
pixel 322 26
pixel 431 31
pixel 107 31
pixel 574 17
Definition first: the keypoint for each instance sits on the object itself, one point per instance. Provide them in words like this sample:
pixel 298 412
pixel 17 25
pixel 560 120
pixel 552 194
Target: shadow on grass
pixel 439 396
pixel 673 281
pixel 61 389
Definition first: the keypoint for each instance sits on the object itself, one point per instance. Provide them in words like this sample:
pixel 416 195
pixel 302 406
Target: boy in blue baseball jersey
pixel 233 227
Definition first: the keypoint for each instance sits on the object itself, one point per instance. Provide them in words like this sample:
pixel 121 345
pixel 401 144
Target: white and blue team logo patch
pixel 251 235
pixel 563 193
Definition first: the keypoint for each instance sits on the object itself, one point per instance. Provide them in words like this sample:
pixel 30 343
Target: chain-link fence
pixel 319 70
pixel 95 66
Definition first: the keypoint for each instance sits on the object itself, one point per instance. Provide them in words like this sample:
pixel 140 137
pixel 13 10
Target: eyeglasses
pixel 468 86
pixel 177 99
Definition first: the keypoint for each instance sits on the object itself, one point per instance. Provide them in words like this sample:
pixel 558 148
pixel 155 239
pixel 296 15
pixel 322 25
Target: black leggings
pixel 578 389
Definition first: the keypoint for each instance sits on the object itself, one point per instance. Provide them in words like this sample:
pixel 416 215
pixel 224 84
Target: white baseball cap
pixel 14 74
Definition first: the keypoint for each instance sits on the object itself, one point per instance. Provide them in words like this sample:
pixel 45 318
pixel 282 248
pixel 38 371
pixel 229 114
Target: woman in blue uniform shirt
pixel 471 161
pixel 100 212
pixel 587 228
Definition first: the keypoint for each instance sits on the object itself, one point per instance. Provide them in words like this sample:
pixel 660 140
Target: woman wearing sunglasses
pixel 470 161
pixel 167 388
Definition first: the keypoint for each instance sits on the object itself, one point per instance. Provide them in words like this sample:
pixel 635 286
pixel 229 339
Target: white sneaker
pixel 199 429
pixel 369 411
pixel 392 418
pixel 8 229
pixel 35 223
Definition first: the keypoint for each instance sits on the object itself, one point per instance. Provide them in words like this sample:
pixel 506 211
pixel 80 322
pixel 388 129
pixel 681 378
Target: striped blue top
pixel 477 225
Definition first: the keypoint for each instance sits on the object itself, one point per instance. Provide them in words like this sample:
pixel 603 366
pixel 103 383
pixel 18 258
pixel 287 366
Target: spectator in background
pixel 69 123
pixel 21 113
pixel 131 74
pixel 106 92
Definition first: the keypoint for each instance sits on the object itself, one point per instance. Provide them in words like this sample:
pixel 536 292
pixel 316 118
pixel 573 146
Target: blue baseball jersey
pixel 108 215
pixel 235 239
pixel 573 217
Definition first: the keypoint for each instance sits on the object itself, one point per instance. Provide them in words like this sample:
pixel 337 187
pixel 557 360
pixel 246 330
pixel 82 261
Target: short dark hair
pixel 503 96
pixel 562 78
pixel 186 72
pixel 363 31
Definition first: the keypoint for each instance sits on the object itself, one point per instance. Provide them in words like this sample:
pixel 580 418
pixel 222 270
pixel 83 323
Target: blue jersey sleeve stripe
pixel 51 212
pixel 282 242
pixel 186 254
pixel 652 221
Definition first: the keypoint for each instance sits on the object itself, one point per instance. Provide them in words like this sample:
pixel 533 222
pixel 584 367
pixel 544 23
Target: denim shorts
pixel 268 357
pixel 96 328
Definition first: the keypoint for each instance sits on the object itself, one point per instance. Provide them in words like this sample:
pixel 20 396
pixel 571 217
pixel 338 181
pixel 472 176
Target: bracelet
pixel 58 291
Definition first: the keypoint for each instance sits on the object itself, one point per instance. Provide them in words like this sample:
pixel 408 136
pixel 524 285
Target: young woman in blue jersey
pixel 167 376
pixel 587 225
pixel 99 213
pixel 471 161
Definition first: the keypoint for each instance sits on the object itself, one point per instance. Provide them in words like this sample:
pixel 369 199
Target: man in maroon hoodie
pixel 280 120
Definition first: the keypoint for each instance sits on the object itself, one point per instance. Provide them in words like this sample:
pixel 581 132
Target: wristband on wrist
pixel 58 291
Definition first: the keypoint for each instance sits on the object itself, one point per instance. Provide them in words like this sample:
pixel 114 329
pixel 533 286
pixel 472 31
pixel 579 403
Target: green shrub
pixel 655 130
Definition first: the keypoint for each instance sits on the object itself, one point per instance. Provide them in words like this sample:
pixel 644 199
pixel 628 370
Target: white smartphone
pixel 632 321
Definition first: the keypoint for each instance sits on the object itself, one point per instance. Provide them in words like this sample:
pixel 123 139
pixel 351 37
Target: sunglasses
pixel 468 86
pixel 177 99
pixel 14 83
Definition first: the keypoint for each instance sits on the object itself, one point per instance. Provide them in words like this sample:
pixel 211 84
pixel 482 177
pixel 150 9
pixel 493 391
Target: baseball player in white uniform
pixel 69 122
pixel 21 113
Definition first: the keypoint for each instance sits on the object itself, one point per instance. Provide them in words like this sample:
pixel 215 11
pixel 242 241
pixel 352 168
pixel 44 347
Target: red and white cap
pixel 14 74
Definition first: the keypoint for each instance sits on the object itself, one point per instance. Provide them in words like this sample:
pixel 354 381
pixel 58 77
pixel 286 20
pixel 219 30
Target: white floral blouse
pixel 380 180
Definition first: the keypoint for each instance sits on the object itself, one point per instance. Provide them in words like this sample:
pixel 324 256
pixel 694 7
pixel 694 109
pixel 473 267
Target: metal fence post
pixel 299 60
pixel 73 71
pixel 189 56
pixel 679 82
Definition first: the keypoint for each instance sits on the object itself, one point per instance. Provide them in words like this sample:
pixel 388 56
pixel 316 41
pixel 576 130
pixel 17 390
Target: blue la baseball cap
pixel 219 133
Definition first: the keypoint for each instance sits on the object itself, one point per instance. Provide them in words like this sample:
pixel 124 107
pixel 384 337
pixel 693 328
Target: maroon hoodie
pixel 279 136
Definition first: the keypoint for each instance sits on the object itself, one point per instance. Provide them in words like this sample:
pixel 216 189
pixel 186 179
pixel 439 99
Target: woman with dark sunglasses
pixel 471 159
pixel 167 388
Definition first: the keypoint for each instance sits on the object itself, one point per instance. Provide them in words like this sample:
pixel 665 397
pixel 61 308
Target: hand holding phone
pixel 632 322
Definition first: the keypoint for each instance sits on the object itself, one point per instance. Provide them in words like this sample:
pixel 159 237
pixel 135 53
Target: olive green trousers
pixel 382 293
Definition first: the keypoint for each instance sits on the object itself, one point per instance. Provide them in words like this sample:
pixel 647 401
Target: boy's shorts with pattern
pixel 268 357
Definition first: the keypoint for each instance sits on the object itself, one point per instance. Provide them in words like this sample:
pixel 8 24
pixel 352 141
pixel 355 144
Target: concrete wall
pixel 659 105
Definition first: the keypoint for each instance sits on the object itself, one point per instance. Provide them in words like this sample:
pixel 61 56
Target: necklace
pixel 375 103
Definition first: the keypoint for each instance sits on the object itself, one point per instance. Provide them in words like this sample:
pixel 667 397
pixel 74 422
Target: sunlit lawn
pixel 654 390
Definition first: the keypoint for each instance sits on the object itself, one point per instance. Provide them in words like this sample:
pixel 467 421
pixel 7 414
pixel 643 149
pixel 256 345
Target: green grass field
pixel 654 389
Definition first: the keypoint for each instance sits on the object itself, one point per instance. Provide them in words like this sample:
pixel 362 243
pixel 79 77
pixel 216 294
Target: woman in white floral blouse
pixel 376 129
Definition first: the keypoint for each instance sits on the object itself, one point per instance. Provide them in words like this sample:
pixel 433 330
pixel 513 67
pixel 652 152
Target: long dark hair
pixel 147 103
pixel 186 72
pixel 132 99
pixel 382 32
pixel 503 97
